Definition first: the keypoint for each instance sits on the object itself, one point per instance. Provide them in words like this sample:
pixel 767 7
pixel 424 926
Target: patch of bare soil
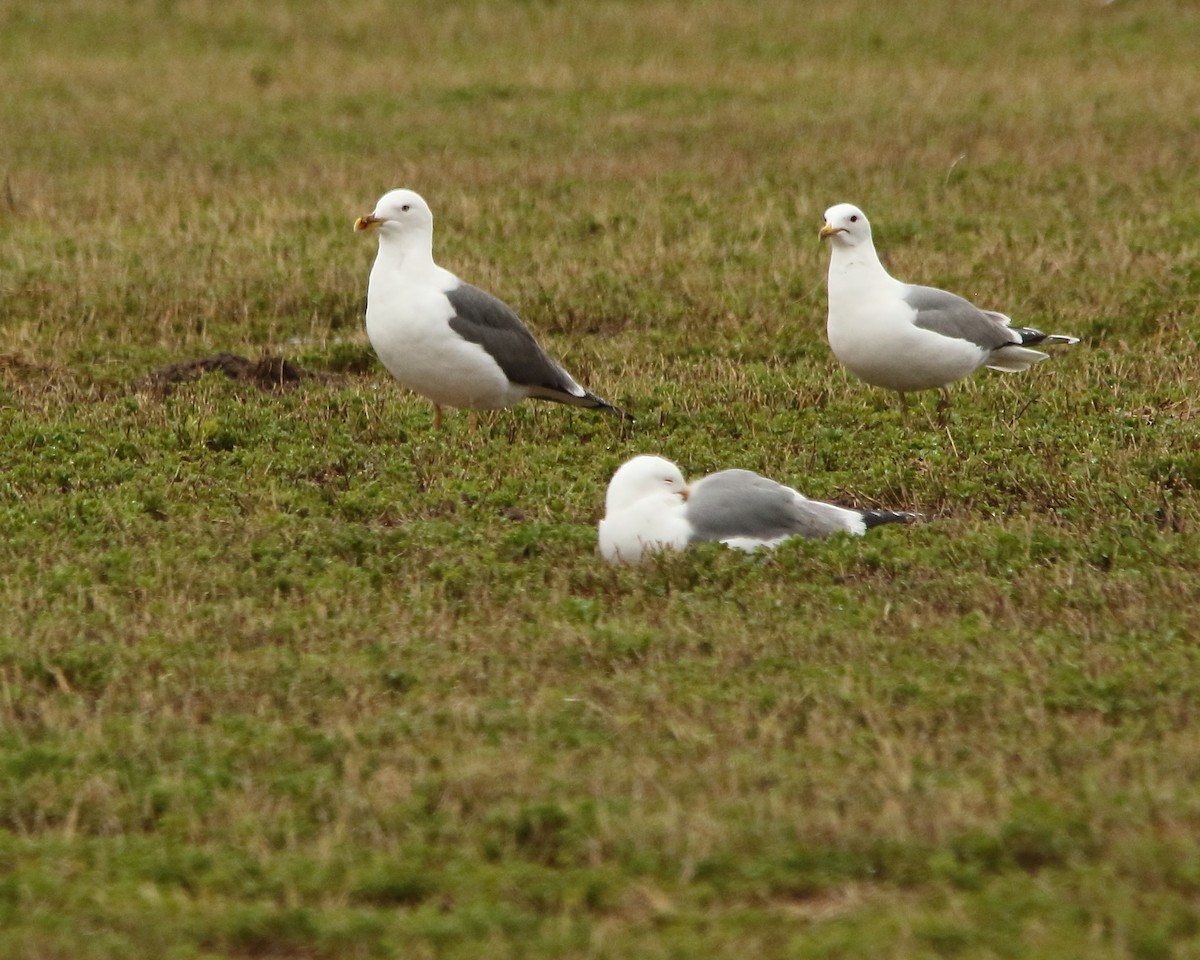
pixel 266 373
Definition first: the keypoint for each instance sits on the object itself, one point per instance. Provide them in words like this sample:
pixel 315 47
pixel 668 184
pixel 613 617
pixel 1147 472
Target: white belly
pixel 877 342
pixel 413 339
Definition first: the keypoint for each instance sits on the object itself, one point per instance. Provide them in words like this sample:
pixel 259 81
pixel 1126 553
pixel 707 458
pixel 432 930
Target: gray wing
pixel 483 319
pixel 952 316
pixel 740 503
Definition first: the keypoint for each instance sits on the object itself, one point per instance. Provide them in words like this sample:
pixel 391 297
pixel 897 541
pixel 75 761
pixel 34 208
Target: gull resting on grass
pixel 649 507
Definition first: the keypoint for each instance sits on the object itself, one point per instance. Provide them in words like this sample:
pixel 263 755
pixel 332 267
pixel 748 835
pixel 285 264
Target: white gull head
pixel 643 476
pixel 846 226
pixel 399 214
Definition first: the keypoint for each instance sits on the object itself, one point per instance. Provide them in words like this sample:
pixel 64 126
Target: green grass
pixel 288 674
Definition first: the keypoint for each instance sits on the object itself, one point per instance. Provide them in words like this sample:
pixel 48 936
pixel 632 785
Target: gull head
pixel 846 225
pixel 397 213
pixel 643 476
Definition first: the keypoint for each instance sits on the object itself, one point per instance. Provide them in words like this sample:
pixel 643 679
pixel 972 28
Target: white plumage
pixel 445 339
pixel 904 337
pixel 649 507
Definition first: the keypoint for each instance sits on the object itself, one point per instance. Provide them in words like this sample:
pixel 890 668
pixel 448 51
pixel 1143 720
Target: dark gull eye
pixel 853 219
pixel 404 209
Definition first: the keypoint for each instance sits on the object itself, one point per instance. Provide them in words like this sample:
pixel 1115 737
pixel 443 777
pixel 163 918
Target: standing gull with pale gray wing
pixel 445 339
pixel 903 337
pixel 649 507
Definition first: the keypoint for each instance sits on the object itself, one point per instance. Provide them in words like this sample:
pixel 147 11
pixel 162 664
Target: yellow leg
pixel 437 417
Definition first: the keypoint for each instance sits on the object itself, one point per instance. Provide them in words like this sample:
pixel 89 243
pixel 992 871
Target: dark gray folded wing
pixel 740 503
pixel 483 319
pixel 489 322
pixel 952 316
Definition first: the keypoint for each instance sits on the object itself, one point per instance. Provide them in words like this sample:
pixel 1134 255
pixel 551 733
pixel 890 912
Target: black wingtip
pixel 1031 337
pixel 618 412
pixel 586 401
pixel 873 518
pixel 600 403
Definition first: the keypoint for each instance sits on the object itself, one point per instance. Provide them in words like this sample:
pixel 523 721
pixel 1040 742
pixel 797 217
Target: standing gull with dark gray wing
pixel 904 337
pixel 649 507
pixel 445 339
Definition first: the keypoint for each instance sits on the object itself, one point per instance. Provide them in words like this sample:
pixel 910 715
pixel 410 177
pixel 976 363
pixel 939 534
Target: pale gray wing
pixel 740 503
pixel 952 316
pixel 490 322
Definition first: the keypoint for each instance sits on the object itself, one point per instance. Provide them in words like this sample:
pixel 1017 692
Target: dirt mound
pixel 267 373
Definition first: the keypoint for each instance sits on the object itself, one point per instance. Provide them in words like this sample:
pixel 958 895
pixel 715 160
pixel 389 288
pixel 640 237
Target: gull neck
pixel 409 252
pixel 860 257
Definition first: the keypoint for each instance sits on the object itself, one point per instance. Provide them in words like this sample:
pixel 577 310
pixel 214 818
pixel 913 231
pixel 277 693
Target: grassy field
pixel 287 674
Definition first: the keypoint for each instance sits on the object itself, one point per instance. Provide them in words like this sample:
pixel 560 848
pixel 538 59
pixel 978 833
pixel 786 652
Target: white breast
pixel 408 325
pixel 650 524
pixel 873 335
